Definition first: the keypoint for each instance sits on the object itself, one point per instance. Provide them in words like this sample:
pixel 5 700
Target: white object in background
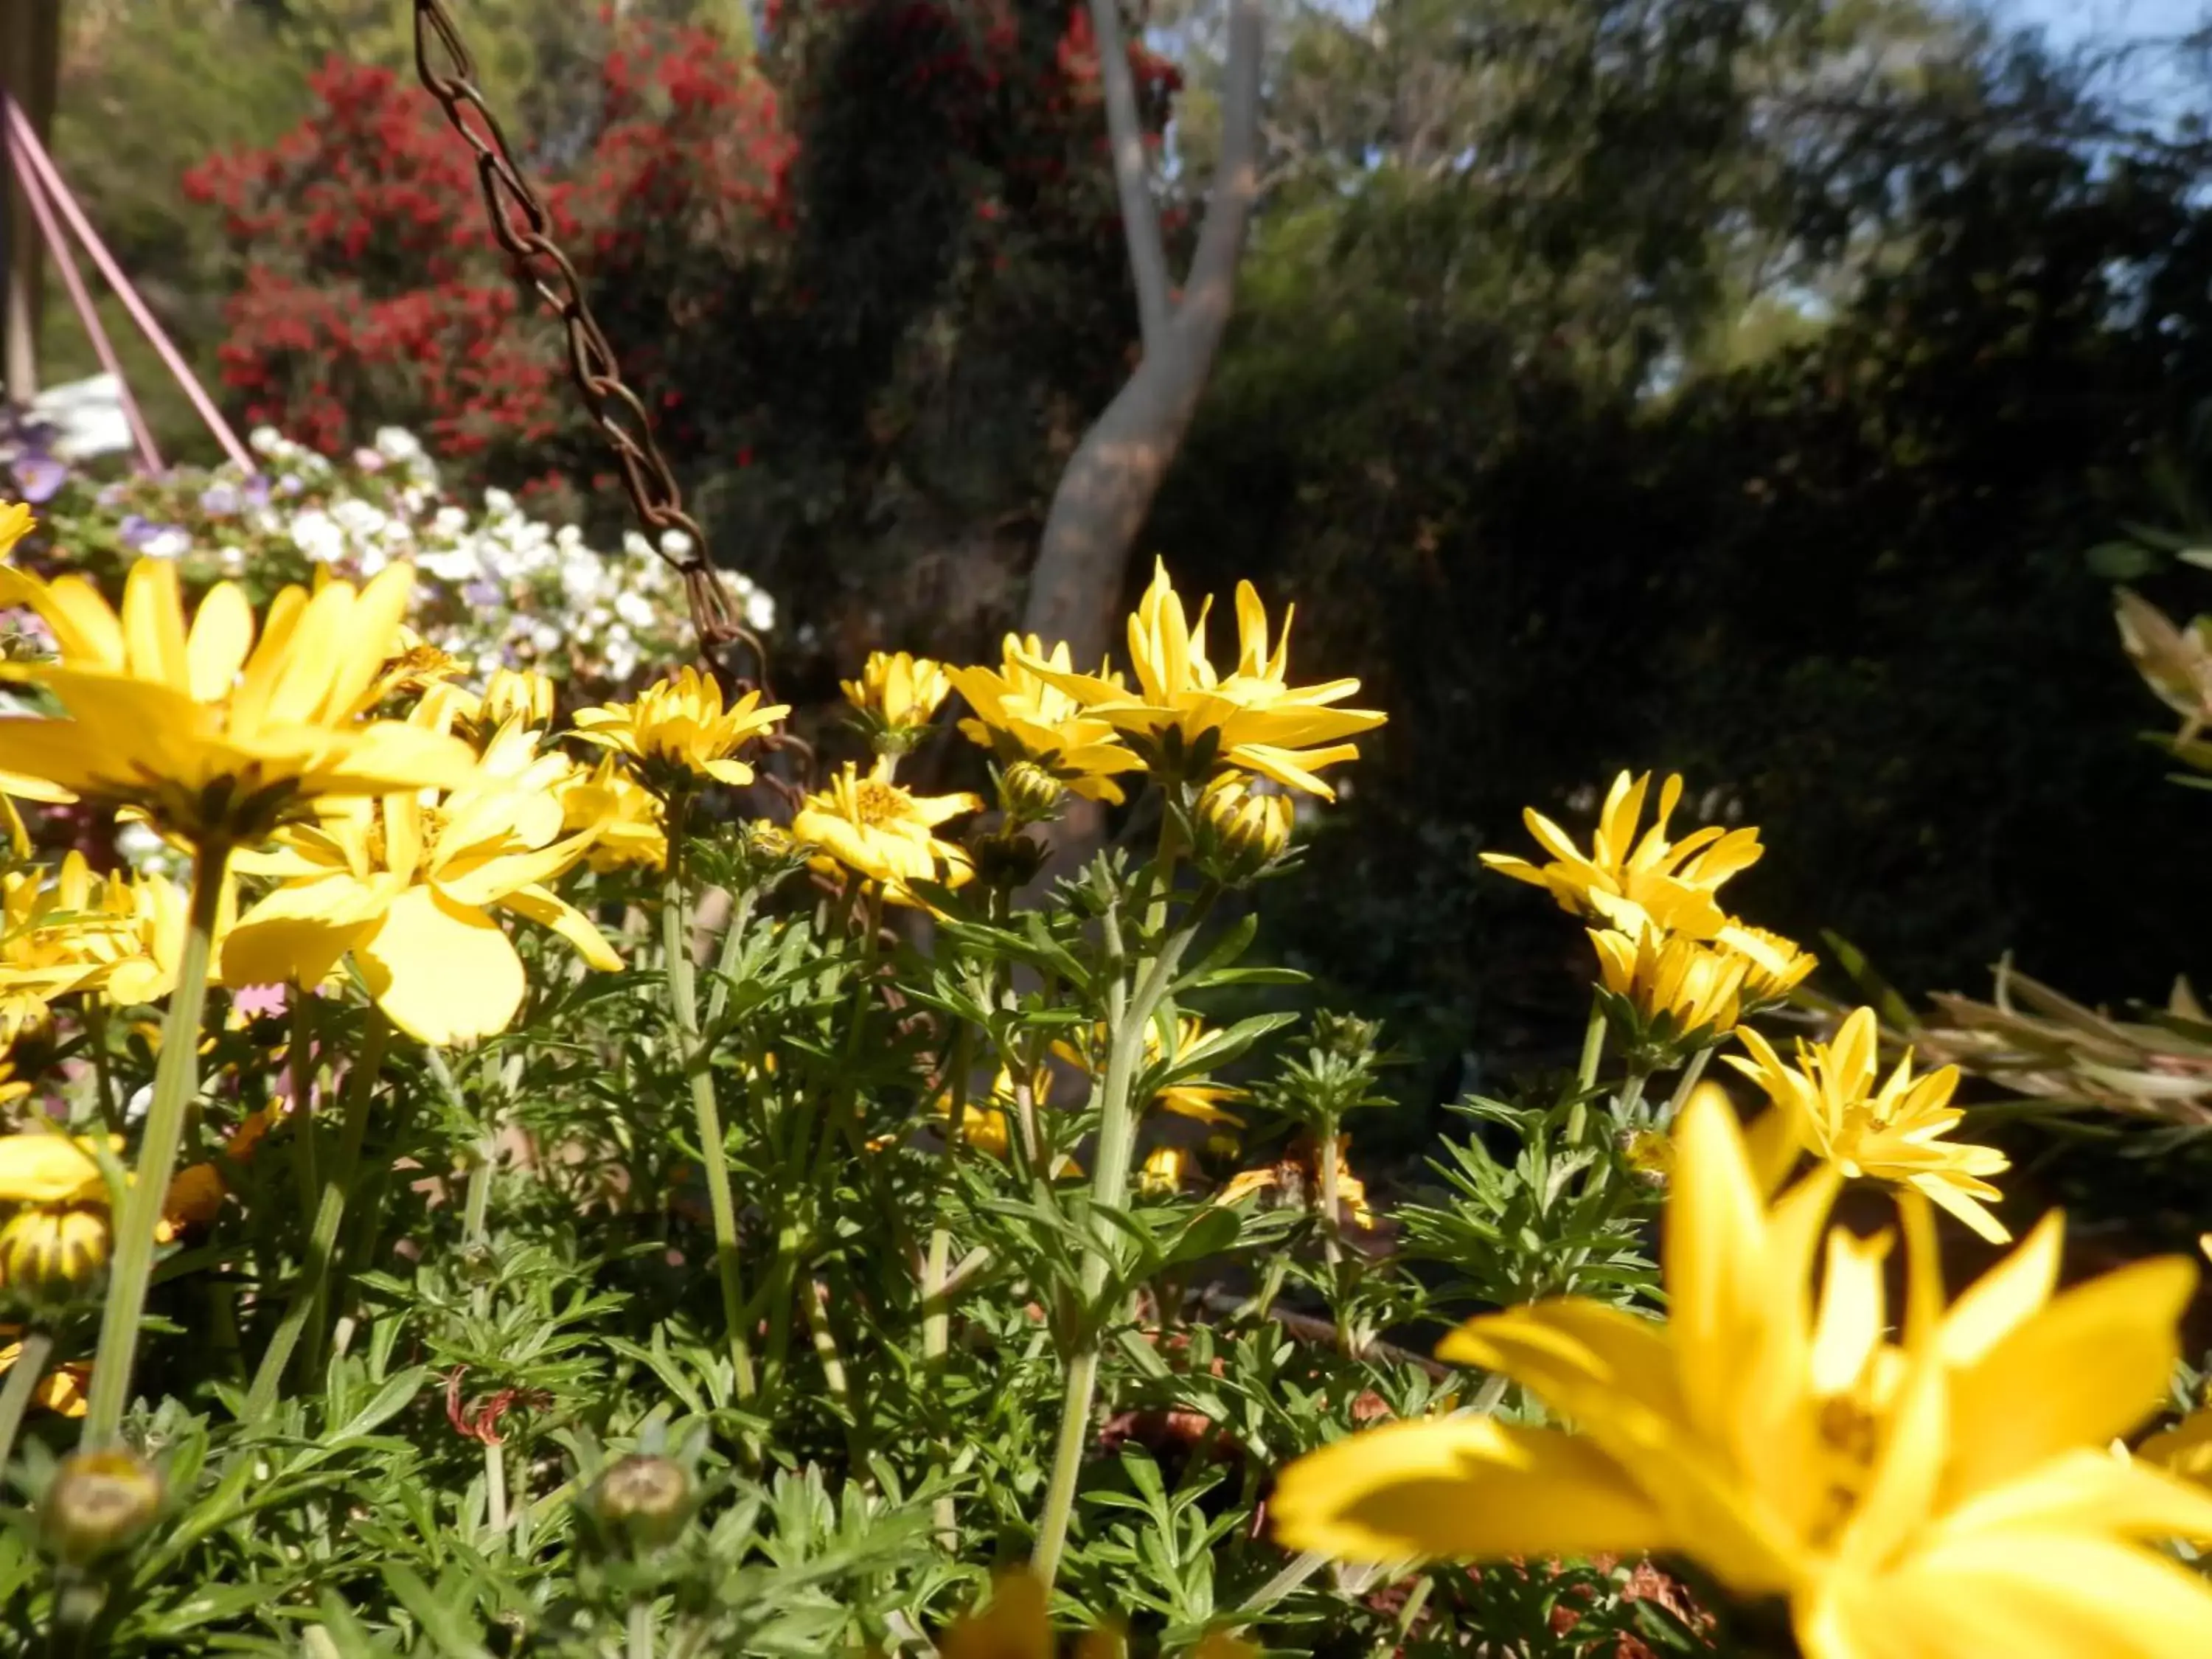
pixel 87 417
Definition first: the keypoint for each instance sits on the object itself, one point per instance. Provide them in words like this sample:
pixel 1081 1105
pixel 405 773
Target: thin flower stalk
pixel 310 1297
pixel 23 1379
pixel 1128 1017
pixel 683 1009
pixel 176 1080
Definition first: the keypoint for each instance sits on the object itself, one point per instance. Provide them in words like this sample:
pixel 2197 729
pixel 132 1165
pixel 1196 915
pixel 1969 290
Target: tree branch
pixel 1116 469
pixel 1132 176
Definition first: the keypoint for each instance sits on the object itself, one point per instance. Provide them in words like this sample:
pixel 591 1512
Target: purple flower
pixel 220 499
pixel 483 594
pixel 140 534
pixel 38 477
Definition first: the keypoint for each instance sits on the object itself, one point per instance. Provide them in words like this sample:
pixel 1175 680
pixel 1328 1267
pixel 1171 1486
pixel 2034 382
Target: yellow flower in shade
pixel 898 691
pixel 1014 1626
pixel 1631 882
pixel 1021 715
pixel 1252 717
pixel 408 884
pixel 1199 1101
pixel 1830 1106
pixel 15 523
pixel 1678 985
pixel 1241 829
pixel 1946 1496
pixel 215 735
pixel 630 820
pixel 121 935
pixel 58 1234
pixel 62 1390
pixel 1296 1181
pixel 677 735
pixel 882 833
pixel 984 1128
pixel 1165 1171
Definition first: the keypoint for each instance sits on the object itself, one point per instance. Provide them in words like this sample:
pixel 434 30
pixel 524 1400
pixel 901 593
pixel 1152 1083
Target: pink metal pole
pixel 88 313
pixel 20 133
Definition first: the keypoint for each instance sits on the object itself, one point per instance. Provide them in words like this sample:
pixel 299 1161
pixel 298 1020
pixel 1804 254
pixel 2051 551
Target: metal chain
pixel 518 220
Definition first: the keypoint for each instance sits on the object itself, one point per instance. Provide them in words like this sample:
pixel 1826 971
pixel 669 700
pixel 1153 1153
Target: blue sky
pixel 2069 20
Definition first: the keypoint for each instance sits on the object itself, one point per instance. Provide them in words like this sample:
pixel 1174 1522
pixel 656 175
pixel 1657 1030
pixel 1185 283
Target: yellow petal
pixel 2185 1448
pixel 222 633
pixel 2088 1367
pixel 2007 1297
pixel 1462 1487
pixel 153 624
pixel 297 934
pixel 40 1168
pixel 548 909
pixel 442 972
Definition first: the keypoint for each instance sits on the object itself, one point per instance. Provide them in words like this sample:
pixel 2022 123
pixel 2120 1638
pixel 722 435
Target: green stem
pixel 1586 1074
pixel 311 1295
pixel 936 1307
pixel 23 1376
pixel 302 1071
pixel 684 1007
pixel 1631 1093
pixel 1109 1190
pixel 640 1645
pixel 103 1074
pixel 1688 1081
pixel 176 1080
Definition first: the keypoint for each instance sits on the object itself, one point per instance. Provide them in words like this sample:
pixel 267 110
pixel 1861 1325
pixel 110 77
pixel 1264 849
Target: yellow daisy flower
pixel 677 735
pixel 1022 715
pixel 1632 882
pixel 630 820
pixel 1295 1181
pixel 884 834
pixel 1830 1106
pixel 1201 1101
pixel 214 735
pixel 409 885
pixel 62 1390
pixel 1678 985
pixel 898 691
pixel 1948 1496
pixel 1250 718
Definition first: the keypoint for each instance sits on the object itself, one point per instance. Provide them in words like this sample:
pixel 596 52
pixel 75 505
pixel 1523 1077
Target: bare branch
pixel 1132 176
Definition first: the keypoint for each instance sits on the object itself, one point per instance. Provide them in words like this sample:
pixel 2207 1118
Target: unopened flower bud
pixel 1007 859
pixel 1241 831
pixel 98 1503
pixel 53 1252
pixel 643 1501
pixel 1030 794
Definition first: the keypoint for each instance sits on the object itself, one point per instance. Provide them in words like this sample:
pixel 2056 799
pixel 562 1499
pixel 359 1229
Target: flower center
pixel 875 802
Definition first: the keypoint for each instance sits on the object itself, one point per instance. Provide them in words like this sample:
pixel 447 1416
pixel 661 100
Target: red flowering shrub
pixel 373 290
pixel 823 260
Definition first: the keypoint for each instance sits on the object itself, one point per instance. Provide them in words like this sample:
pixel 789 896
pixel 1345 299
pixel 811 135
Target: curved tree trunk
pixel 1111 482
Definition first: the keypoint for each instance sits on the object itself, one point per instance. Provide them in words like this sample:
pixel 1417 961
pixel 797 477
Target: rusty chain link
pixel 519 222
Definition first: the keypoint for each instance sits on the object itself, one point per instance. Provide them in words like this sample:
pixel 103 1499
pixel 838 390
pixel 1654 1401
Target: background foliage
pixel 1673 381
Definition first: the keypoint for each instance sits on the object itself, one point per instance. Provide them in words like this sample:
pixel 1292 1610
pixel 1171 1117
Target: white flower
pixel 450 521
pixel 636 545
pixel 458 563
pixel 169 541
pixel 634 609
pixel 676 544
pixel 316 534
pixel 265 441
pixel 498 504
pixel 397 443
